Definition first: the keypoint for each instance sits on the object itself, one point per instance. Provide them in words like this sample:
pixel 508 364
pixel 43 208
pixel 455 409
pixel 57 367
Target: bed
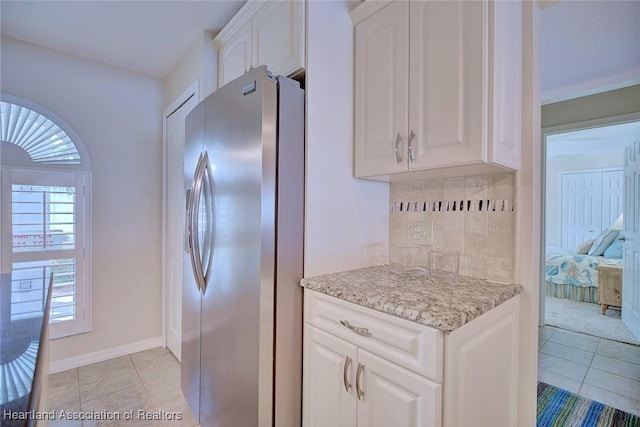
pixel 572 275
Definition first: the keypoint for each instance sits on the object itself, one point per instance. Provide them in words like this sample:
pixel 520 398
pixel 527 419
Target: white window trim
pixel 84 319
pixel 83 172
pixel 85 161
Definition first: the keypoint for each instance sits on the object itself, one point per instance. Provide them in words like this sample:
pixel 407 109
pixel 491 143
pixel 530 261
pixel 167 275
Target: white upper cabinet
pixel 235 56
pixel 445 96
pixel 381 85
pixel 278 37
pixel 506 75
pixel 437 86
pixel 263 32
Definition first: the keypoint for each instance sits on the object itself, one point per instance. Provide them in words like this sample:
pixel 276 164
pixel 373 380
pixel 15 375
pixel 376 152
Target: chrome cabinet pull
pixel 347 363
pixel 360 331
pixel 359 391
pixel 398 154
pixel 412 154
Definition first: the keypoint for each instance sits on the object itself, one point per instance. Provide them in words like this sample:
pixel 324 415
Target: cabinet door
pixel 394 396
pixel 446 69
pixel 278 37
pixel 481 370
pixel 235 55
pixel 328 385
pixel 381 85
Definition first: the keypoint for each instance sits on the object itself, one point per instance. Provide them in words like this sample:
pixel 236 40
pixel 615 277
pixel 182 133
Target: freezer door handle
pixel 192 232
pixel 202 207
pixel 187 221
pixel 207 190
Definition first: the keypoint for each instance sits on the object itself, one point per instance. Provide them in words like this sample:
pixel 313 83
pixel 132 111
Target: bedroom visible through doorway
pixel 583 217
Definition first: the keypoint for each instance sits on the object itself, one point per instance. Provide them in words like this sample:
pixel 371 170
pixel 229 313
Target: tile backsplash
pixel 473 216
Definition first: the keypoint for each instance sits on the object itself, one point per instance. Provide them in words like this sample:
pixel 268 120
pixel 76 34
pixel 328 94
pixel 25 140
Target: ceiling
pixel 586 46
pixel 147 37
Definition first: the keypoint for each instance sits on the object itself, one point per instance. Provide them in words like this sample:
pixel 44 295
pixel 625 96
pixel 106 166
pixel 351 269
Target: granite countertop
pixel 444 304
pixel 23 301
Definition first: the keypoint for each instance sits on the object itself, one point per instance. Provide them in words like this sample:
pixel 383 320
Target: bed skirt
pixel 577 293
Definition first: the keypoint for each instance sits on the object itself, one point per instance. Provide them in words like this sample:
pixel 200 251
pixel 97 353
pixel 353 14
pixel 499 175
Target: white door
pixel 328 380
pixel 581 210
pixel 174 211
pixel 393 396
pixel 612 196
pixel 631 247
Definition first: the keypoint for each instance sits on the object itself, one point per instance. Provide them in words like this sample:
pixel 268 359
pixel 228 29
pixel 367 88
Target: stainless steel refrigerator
pixel 242 303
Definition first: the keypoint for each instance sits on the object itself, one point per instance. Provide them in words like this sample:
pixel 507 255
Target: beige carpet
pixel 585 317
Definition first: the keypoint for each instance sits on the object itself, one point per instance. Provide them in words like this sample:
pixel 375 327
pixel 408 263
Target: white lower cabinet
pixel 329 394
pixel 354 387
pixel 366 368
pixel 393 396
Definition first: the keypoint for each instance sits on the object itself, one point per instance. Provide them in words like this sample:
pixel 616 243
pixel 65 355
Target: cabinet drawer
pixel 415 347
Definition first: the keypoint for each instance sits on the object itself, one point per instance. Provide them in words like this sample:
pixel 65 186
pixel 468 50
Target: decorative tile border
pixel 453 206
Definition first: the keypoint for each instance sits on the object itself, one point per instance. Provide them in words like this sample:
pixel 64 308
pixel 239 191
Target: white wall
pixel 117 114
pixel 557 165
pixel 199 62
pixel 346 219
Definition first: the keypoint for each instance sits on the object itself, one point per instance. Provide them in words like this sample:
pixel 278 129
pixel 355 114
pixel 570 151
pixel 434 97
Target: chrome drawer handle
pixel 347 363
pixel 360 331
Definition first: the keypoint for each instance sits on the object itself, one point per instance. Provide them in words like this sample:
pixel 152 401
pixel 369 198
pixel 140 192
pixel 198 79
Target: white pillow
pixel 583 248
pixel 603 241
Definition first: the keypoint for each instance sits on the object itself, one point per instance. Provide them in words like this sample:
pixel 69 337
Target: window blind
pixel 44 226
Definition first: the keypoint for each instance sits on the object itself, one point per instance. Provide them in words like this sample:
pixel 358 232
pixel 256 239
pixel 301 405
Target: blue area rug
pixel 560 408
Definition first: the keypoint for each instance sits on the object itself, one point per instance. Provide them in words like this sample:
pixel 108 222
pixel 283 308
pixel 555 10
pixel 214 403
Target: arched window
pixel 45 204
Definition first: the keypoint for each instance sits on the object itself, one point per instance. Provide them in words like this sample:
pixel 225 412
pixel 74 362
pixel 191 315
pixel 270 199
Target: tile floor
pixel 147 381
pixel 596 368
pixel 600 369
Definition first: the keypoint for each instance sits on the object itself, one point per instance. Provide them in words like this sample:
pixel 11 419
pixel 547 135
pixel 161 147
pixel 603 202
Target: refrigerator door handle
pixel 187 221
pixel 194 244
pixel 209 232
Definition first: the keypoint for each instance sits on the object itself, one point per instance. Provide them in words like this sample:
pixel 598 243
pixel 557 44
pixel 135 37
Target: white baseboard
pixel 102 355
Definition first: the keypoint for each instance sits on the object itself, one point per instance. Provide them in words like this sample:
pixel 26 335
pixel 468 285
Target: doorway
pixel 585 351
pixel 173 215
pixel 583 221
